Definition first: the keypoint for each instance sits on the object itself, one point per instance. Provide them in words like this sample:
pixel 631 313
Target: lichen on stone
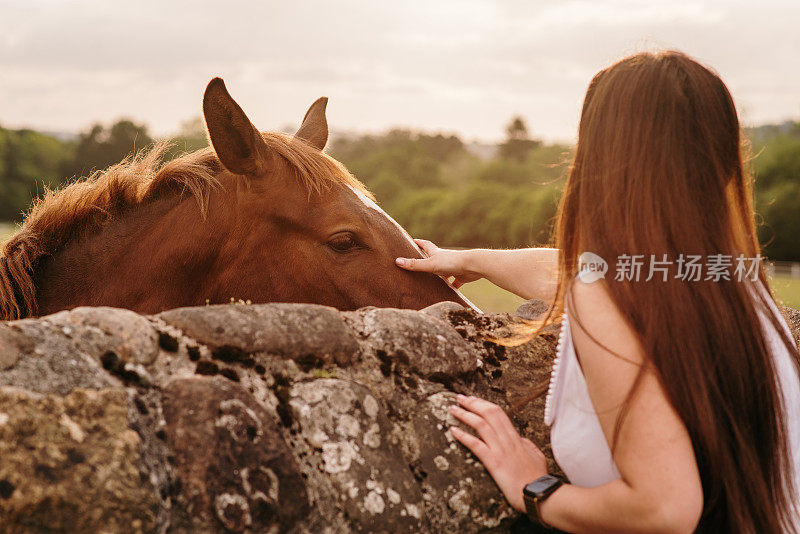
pixel 259 418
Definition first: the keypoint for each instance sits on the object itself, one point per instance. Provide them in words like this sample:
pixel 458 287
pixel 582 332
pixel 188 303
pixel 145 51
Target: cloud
pixel 454 65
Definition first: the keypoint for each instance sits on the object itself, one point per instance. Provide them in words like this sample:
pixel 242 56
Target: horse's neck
pixel 150 259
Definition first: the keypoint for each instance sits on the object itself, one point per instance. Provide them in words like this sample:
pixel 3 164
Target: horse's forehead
pixel 369 203
pixel 373 206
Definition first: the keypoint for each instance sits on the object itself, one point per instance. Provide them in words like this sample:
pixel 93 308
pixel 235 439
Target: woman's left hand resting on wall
pixel 513 461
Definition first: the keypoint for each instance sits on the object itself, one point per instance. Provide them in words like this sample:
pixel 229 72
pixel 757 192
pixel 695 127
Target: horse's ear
pixel 314 129
pixel 236 141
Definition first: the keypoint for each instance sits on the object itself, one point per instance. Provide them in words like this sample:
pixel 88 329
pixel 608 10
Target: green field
pixel 6 229
pixel 491 298
pixel 787 290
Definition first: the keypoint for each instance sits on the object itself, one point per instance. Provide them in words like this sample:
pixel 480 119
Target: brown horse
pixel 263 217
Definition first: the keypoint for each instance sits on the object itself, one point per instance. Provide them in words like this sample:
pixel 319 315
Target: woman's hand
pixel 513 461
pixel 441 261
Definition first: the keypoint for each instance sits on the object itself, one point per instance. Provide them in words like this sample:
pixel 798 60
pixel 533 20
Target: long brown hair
pixel 658 169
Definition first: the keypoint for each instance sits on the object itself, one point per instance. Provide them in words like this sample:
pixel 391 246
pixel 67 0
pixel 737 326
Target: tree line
pixel 437 186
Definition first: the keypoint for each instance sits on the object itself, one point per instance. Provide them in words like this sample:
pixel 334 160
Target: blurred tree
pixel 397 161
pixel 100 147
pixel 480 215
pixel 761 135
pixel 509 172
pixel 518 142
pixel 437 190
pixel 29 163
pixel 778 161
pixel 191 136
pixel 432 184
pixel 777 170
pixel 780 209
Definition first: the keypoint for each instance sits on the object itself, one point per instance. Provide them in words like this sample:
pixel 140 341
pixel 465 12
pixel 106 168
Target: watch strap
pixel 533 499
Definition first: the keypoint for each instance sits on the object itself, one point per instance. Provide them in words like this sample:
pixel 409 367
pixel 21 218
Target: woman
pixel 675 399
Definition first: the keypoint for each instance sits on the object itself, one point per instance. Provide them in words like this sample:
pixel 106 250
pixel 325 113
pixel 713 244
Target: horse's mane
pixel 87 204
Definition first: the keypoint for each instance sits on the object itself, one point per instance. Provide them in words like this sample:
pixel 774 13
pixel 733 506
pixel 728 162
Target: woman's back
pixel 578 443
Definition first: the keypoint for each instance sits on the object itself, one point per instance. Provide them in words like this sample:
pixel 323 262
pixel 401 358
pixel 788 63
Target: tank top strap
pixel 555 387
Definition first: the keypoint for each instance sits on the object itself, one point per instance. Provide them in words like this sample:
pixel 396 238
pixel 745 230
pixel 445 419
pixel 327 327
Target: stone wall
pixel 262 418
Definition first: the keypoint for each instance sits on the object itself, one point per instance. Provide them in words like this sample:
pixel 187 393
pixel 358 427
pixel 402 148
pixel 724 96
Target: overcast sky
pixel 463 66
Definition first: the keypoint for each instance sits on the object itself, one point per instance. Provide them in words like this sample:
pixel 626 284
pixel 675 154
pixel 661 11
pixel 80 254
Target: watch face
pixel 540 486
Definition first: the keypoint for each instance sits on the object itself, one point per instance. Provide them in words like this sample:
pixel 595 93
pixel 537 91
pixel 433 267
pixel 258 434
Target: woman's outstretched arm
pixel 528 272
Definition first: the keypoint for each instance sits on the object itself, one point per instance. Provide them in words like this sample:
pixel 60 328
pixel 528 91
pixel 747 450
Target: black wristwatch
pixel 536 492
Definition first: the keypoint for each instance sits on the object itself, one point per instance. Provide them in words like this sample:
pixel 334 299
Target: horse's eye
pixel 344 242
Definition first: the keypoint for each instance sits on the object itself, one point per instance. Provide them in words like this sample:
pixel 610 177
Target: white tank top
pixel 579 445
